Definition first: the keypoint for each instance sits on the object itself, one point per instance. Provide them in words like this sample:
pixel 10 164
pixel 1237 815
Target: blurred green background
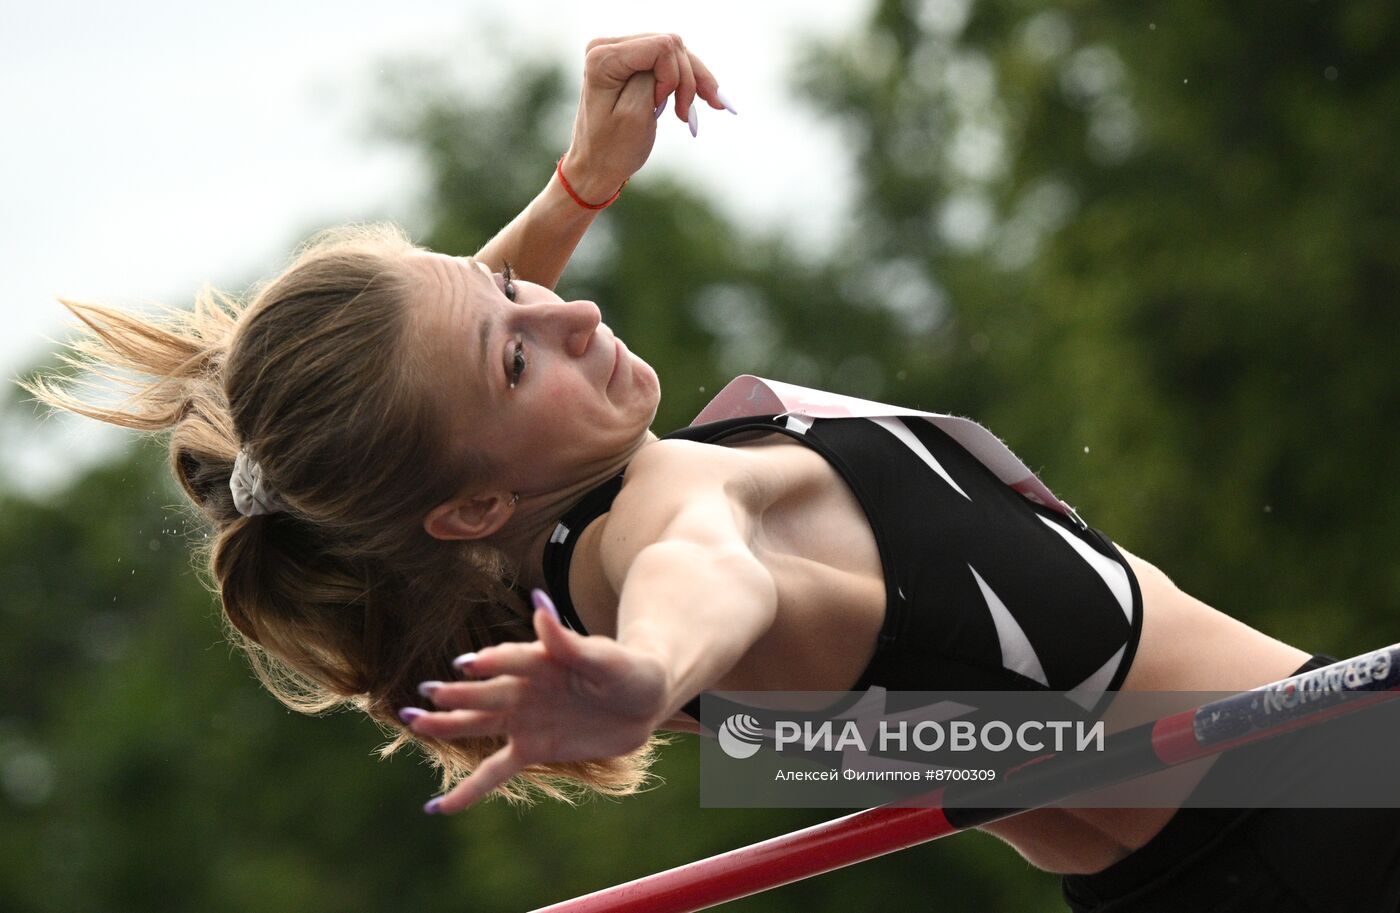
pixel 1155 246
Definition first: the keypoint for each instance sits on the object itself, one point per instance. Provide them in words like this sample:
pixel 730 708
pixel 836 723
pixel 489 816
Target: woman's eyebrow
pixel 486 323
pixel 484 328
pixel 485 333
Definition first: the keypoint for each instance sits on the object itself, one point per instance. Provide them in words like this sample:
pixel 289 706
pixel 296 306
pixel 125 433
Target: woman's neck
pixel 523 539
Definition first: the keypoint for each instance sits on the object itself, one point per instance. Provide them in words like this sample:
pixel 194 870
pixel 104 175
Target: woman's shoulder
pixel 668 479
pixel 684 465
pixel 669 475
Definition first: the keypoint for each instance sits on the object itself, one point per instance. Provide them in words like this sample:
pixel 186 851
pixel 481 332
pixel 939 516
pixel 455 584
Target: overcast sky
pixel 150 146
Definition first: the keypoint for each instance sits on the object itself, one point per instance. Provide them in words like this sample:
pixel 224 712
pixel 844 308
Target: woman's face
pixel 535 383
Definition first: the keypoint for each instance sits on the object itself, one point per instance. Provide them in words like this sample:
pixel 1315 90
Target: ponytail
pixel 342 598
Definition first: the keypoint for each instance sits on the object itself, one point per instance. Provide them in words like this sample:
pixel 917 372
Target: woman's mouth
pixel 618 350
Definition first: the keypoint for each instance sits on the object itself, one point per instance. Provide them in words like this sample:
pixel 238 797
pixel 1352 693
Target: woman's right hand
pixel 626 82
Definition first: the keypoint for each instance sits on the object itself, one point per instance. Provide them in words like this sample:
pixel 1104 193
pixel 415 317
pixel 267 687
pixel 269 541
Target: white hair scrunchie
pixel 251 495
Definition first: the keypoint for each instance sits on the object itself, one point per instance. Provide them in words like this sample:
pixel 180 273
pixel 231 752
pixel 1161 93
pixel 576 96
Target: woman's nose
pixel 576 321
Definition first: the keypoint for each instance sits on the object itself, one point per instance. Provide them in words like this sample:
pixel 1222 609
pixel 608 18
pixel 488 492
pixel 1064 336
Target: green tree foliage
pixel 1151 245
pixel 1163 241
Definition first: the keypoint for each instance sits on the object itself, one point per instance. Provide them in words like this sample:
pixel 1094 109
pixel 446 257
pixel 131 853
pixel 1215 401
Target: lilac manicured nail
pixel 464 662
pixel 428 689
pixel 724 101
pixel 433 806
pixel 409 714
pixel 659 108
pixel 694 120
pixel 542 601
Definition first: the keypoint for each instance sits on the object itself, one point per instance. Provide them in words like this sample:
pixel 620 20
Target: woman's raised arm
pixel 626 82
pixel 693 601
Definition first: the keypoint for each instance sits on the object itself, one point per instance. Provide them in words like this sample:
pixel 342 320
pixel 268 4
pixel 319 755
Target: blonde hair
pixel 344 599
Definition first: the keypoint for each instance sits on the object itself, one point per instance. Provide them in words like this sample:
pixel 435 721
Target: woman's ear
pixel 469 516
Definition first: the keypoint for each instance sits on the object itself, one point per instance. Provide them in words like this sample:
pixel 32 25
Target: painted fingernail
pixel 433 806
pixel 659 108
pixel 428 689
pixel 409 714
pixel 464 662
pixel 724 101
pixel 542 601
pixel 694 120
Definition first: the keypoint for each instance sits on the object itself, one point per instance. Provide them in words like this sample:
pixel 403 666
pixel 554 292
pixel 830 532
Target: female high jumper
pixel 393 446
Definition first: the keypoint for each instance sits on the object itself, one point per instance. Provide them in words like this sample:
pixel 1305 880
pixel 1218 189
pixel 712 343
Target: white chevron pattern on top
pixel 1017 654
pixel 1114 575
pixel 1088 692
pixel 906 437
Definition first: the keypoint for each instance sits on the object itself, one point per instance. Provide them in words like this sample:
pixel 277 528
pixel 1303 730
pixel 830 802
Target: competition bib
pixel 750 395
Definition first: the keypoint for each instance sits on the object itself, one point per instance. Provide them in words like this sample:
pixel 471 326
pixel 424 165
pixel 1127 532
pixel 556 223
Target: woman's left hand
pixel 626 84
pixel 564 697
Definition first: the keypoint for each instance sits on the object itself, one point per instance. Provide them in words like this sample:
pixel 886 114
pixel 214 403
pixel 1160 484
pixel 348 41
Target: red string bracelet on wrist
pixel 559 169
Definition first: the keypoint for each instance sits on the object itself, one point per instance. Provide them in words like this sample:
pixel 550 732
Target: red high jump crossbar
pixel 1209 729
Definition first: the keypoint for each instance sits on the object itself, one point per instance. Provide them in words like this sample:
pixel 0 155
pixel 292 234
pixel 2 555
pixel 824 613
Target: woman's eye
pixel 508 283
pixel 517 363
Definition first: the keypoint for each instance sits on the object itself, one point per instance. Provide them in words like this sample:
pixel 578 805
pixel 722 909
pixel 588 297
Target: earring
pixel 515 497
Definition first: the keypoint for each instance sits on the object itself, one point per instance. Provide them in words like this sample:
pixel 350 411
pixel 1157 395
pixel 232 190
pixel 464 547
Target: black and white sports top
pixel 986 590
